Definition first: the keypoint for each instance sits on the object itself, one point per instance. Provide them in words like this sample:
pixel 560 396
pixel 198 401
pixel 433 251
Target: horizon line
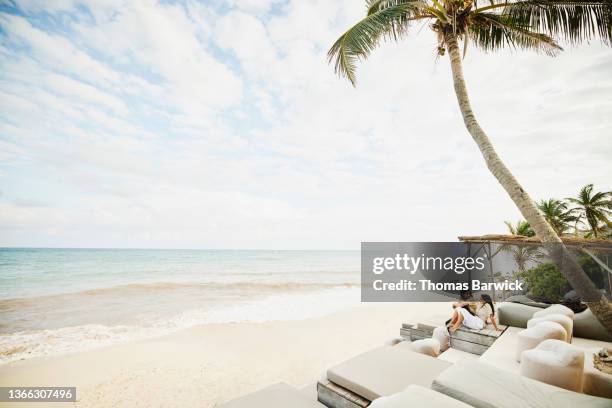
pixel 172 249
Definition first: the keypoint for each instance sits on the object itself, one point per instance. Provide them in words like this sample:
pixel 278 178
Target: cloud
pixel 185 124
pixel 254 6
pixel 163 41
pixel 55 51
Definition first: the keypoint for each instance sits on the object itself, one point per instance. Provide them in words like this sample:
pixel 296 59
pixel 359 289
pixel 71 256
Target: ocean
pixel 55 301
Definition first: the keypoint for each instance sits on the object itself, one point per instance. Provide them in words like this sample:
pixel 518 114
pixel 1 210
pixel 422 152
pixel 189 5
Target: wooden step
pixel 416 332
pixel 475 341
pixel 333 396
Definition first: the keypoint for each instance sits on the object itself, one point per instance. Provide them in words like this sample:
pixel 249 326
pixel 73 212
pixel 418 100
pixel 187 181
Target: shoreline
pixel 296 305
pixel 208 364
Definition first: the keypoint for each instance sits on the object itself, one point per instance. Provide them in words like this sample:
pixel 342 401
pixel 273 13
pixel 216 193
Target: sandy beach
pixel 206 365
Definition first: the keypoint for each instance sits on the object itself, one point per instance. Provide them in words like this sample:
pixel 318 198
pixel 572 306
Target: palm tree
pixel 594 207
pixel 522 228
pixel 522 254
pixel 490 25
pixel 557 214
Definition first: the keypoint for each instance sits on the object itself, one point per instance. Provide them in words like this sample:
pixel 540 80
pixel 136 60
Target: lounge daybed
pixel 379 372
pixel 418 396
pixel 396 376
pixel 381 375
pixel 483 386
pixel 279 395
pixel 585 324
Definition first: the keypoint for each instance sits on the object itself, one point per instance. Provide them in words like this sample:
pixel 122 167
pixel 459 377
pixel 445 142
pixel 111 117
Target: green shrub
pixel 545 282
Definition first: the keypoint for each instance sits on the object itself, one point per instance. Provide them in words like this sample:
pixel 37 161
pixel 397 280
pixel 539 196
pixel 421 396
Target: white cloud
pixel 255 6
pixel 164 40
pixel 186 125
pixel 57 52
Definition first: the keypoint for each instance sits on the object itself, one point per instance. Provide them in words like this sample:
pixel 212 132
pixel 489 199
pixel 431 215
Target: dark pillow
pixel 574 303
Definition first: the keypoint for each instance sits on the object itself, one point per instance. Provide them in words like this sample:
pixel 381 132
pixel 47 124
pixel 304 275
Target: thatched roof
pixel 597 244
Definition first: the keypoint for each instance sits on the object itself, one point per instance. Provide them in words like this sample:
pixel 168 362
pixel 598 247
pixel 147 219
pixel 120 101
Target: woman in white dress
pixel 463 316
pixel 486 310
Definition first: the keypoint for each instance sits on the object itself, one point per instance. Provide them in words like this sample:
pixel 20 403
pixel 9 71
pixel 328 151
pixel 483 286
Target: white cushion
pixel 278 395
pixel 563 320
pixel 452 355
pixel 393 341
pixel 555 309
pixel 430 347
pixel 441 334
pixel 385 371
pixel 417 396
pixel 556 363
pixel 484 386
pixel 530 338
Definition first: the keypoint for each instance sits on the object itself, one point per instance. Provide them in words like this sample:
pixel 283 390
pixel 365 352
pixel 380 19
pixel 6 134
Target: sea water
pixel 63 300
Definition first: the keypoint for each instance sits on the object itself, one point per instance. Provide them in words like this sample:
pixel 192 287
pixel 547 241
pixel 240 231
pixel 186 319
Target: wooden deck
pixel 475 341
pixel 416 332
pixel 464 339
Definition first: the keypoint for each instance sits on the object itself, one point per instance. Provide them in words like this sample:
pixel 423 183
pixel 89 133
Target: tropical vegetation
pixel 567 217
pixel 594 208
pixel 587 215
pixel 545 283
pixel 538 25
pixel 558 214
pixel 522 255
pixel 521 228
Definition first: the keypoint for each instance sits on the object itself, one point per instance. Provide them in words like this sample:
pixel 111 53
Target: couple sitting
pixel 473 315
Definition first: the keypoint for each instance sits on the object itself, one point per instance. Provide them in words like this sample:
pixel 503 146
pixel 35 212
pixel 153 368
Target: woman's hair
pixel 469 309
pixel 487 299
pixel 465 295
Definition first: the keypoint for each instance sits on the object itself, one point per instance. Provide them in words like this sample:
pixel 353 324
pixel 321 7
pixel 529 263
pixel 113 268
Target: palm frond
pixel 594 208
pixel 522 227
pixel 557 214
pixel 573 21
pixel 359 41
pixel 374 6
pixel 491 32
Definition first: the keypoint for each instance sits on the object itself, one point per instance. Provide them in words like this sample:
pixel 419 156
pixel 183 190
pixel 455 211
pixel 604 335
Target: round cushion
pixel 431 347
pixel 555 309
pixel 441 334
pixel 393 341
pixel 530 338
pixel 566 322
pixel 555 362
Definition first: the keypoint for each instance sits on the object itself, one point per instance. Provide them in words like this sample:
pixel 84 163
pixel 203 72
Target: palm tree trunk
pixel 567 263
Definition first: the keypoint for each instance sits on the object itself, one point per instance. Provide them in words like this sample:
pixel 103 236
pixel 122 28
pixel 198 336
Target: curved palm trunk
pixel 565 260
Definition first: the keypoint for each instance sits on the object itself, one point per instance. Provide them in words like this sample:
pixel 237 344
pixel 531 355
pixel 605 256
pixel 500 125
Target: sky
pixel 220 124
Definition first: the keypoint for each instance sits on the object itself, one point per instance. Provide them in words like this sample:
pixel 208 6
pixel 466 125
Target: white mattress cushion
pixel 385 371
pixel 418 396
pixel 484 386
pixel 278 395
